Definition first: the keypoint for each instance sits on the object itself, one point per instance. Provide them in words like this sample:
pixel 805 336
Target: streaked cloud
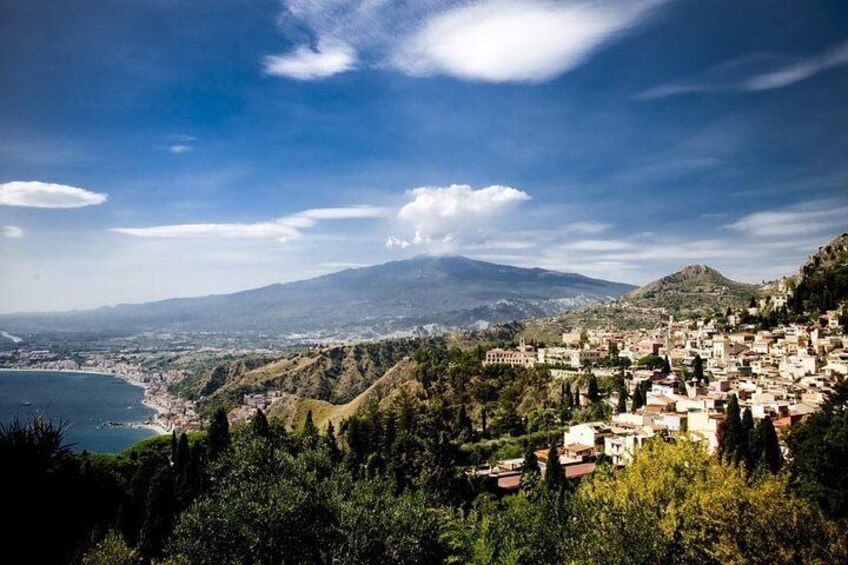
pixel 586 228
pixel 36 194
pixel 328 58
pixel 180 149
pixel 597 245
pixel 755 72
pixel 812 218
pixel 282 229
pixel 13 232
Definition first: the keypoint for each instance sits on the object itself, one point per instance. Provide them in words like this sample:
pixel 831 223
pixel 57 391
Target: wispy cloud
pixel 598 245
pixel 282 229
pixel 13 232
pixel 486 40
pixel 812 218
pixel 755 72
pixel 180 149
pixel 800 70
pixel 304 63
pixel 36 194
pixel 586 228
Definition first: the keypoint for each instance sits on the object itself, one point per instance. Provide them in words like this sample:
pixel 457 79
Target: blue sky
pixel 160 148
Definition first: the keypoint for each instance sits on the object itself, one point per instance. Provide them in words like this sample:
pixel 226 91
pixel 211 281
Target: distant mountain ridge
pixel 396 298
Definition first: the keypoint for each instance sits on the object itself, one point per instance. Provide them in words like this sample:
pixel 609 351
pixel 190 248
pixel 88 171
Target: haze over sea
pixel 100 409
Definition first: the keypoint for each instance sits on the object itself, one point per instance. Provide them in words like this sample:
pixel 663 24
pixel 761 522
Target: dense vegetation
pixel 389 487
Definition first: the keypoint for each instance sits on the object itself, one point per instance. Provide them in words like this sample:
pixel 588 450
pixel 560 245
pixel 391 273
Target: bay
pixel 103 412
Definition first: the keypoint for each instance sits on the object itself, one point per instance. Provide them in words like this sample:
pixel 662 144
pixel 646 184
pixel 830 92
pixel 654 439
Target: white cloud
pixel 329 58
pixel 443 216
pixel 282 229
pixel 483 40
pixel 182 138
pixel 504 40
pixel 800 70
pixel 35 194
pixel 13 232
pixel 586 228
pixel 393 241
pixel 180 149
pixel 815 218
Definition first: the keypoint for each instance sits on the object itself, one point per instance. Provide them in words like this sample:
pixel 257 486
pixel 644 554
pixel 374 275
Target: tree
pixel 332 444
pixel 638 399
pixel 260 425
pixel 771 456
pixel 112 550
pixel 463 428
pixel 309 429
pixel 698 370
pixel 553 470
pixel 666 366
pixel 593 393
pixel 530 474
pixel 484 422
pixel 219 433
pixel 732 435
pixel 743 449
pixel 622 398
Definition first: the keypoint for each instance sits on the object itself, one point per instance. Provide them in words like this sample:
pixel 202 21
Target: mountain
pixel 396 298
pixel 694 290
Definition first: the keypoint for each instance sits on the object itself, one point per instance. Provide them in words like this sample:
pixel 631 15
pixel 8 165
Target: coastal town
pixel 678 381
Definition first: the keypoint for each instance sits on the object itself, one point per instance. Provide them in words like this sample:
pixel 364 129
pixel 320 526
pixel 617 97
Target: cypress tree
pixel 743 449
pixel 638 401
pixel 219 433
pixel 698 369
pixel 309 428
pixel 593 393
pixel 484 423
pixel 732 430
pixel 771 456
pixel 666 366
pixel 260 425
pixel 158 513
pixel 182 458
pixel 553 472
pixel 173 446
pixel 332 444
pixel 622 399
pixel 530 475
pixel 463 428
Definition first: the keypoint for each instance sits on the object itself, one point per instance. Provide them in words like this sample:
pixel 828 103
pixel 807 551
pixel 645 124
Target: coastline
pixel 151 424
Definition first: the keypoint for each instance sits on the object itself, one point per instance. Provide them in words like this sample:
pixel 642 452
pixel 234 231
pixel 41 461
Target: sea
pixel 103 412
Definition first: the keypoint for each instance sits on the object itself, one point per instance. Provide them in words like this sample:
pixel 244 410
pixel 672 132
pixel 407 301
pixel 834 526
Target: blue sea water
pixel 91 404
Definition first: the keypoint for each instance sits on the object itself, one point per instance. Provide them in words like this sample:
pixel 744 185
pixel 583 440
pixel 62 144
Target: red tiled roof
pixel 509 482
pixel 579 470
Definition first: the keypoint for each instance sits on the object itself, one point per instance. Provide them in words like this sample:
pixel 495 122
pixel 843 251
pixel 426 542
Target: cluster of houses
pixel 784 374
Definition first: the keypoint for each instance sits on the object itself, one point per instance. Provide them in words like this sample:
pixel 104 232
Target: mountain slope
pixel 356 303
pixel 822 282
pixel 693 291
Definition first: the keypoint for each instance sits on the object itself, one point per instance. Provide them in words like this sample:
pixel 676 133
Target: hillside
pixel 822 282
pixel 694 290
pixel 419 295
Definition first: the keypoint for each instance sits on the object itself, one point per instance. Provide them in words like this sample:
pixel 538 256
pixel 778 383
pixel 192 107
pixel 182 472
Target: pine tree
pixel 771 457
pixel 732 431
pixel 260 425
pixel 593 393
pixel 219 433
pixel 553 472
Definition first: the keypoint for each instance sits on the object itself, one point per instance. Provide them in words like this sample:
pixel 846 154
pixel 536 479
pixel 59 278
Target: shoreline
pixel 159 410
